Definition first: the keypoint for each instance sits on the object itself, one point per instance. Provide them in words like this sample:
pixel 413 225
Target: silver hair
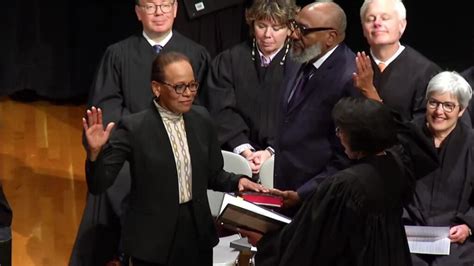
pixel 453 83
pixel 399 8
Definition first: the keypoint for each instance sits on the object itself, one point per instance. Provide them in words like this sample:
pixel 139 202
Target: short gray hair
pixel 399 8
pixel 453 83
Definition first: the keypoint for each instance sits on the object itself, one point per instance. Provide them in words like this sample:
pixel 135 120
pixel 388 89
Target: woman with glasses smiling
pixel 444 196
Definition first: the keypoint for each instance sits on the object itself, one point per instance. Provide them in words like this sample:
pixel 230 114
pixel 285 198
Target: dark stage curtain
pixel 443 33
pixel 51 48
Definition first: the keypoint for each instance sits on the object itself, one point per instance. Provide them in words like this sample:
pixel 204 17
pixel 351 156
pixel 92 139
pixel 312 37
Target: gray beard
pixel 307 54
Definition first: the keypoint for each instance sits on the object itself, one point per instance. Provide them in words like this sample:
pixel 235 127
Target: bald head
pixel 328 14
pixel 319 27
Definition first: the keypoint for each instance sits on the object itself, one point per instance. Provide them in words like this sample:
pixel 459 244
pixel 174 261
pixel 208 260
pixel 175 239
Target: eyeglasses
pixel 181 87
pixel 151 8
pixel 295 26
pixel 448 107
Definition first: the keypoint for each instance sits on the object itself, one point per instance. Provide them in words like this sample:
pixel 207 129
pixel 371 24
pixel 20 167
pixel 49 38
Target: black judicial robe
pixel 122 82
pixel 444 197
pixel 402 85
pixel 6 214
pixel 243 97
pixel 353 218
pixel 468 74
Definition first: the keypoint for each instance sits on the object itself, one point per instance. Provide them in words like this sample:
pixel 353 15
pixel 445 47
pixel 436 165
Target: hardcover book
pixel 238 213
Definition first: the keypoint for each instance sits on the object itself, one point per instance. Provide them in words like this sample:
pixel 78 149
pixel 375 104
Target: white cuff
pixel 239 149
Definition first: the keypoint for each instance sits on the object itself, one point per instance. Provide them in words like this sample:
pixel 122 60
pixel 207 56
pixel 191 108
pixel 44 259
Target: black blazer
pixel 150 220
pixel 306 143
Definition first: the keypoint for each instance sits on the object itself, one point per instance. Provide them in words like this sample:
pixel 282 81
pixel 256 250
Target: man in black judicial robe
pixel 122 82
pixel 400 73
pixel 122 87
pixel 402 85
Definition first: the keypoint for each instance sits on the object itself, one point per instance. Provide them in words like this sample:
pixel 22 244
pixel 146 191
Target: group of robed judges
pixel 363 145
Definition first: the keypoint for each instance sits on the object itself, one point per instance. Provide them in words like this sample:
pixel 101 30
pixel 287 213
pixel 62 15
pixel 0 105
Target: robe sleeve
pixel 467 217
pixel 327 225
pixel 201 65
pixel 106 91
pixel 231 127
pixel 218 178
pixel 6 213
pixel 419 102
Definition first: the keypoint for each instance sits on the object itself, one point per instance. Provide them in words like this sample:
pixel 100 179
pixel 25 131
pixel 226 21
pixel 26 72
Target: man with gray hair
pixel 394 73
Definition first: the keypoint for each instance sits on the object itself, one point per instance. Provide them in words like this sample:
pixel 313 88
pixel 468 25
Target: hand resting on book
pixel 247 184
pixel 290 197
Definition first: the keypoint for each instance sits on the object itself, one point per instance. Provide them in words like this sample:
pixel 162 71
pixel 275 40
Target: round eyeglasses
pixel 448 107
pixel 181 87
pixel 151 8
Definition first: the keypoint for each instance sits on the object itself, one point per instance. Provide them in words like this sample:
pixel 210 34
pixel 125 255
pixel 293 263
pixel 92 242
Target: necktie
pixel 264 61
pixel 381 66
pixel 183 163
pixel 157 48
pixel 175 128
pixel 305 74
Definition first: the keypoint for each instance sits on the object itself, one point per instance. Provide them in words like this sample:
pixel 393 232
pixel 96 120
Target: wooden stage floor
pixel 42 174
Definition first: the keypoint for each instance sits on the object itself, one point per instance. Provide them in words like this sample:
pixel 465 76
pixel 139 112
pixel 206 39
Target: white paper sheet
pixel 428 239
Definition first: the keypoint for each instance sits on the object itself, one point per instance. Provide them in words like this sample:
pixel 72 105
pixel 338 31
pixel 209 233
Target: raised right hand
pixel 364 76
pixel 95 134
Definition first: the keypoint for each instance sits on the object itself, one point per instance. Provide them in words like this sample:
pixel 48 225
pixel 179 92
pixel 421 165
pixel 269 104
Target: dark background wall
pixel 51 48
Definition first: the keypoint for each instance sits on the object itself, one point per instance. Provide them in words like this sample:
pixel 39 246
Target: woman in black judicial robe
pixel 243 84
pixel 354 217
pixel 444 197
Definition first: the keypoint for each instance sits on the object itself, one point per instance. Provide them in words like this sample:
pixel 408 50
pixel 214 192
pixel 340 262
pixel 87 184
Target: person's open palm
pixel 94 130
